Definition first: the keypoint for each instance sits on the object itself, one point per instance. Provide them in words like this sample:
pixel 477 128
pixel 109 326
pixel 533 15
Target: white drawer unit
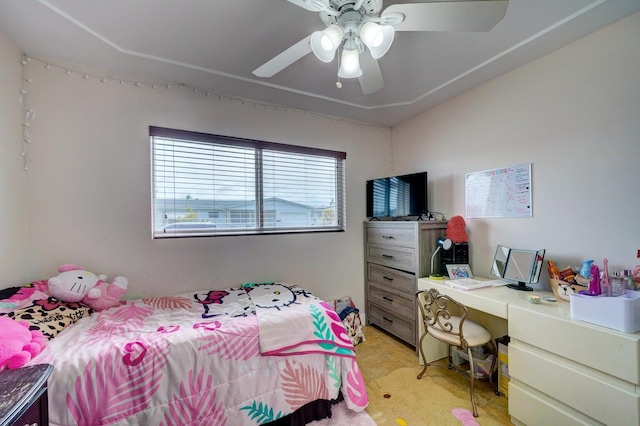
pixel 397 253
pixel 565 371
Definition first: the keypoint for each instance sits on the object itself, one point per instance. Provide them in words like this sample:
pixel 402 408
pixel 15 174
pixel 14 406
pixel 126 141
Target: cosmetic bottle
pixel 605 282
pixel 554 273
pixel 594 283
pixel 585 269
pixel 629 281
pixel 617 284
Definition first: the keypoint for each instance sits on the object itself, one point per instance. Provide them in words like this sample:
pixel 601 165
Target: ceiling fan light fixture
pixel 377 38
pixel 325 43
pixel 350 64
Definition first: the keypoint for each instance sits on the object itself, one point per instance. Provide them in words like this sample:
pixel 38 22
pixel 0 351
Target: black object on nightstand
pixel 23 395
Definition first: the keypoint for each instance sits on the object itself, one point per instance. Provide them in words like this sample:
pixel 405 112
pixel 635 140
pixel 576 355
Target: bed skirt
pixel 310 412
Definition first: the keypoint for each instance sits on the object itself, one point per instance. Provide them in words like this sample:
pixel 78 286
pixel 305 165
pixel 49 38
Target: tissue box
pixel 621 313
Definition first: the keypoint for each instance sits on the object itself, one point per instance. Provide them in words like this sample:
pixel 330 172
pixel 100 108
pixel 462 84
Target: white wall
pixel 575 115
pixel 13 228
pixel 89 188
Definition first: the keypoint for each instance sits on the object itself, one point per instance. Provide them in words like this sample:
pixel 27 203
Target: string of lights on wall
pixel 30 114
pixel 27 114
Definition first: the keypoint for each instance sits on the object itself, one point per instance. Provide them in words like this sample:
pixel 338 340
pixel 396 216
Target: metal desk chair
pixel 455 330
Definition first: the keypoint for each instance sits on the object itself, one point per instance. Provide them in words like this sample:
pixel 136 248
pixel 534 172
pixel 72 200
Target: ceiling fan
pixel 356 26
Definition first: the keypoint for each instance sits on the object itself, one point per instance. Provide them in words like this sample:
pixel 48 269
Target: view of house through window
pixel 216 185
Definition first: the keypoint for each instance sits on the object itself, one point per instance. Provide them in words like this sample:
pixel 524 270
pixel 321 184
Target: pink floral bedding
pixel 195 358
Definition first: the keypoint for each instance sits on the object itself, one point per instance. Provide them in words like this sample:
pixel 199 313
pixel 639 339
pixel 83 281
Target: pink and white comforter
pixel 195 358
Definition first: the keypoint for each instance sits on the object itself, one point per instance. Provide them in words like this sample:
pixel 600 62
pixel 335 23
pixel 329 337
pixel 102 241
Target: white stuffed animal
pixel 75 284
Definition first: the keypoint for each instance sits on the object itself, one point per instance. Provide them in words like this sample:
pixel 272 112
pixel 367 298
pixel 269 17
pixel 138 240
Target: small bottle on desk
pixel 594 283
pixel 629 281
pixel 554 273
pixel 617 284
pixel 605 283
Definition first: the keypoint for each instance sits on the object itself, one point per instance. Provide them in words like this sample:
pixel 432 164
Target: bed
pixel 268 353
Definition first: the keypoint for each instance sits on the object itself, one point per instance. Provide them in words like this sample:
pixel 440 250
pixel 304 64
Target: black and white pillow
pixel 50 315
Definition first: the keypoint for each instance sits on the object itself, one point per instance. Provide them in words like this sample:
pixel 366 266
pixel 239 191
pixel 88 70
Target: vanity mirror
pixel 520 267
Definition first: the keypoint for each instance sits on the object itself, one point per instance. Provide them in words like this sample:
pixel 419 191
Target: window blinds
pixel 216 185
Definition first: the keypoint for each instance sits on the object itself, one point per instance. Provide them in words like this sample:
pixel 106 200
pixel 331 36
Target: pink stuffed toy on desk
pixel 18 344
pixel 75 284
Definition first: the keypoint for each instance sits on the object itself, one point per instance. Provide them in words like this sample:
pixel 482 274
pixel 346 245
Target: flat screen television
pixel 397 196
pixel 519 267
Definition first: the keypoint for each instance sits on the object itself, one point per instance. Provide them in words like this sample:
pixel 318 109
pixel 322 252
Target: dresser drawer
pixel 399 305
pixel 394 324
pixel 391 279
pixel 390 235
pixel 530 407
pixel 601 397
pixel 398 257
pixel 616 353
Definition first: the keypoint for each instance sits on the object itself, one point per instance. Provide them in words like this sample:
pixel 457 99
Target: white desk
pixel 563 371
pixel 488 306
pixel 492 300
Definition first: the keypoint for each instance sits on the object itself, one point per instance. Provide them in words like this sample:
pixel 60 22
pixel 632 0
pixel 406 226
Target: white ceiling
pixel 214 45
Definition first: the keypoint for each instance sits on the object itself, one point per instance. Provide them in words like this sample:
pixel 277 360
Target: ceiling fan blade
pixel 311 5
pixel 284 59
pixel 371 78
pixel 468 16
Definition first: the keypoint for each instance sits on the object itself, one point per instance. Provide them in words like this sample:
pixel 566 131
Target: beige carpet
pixel 425 404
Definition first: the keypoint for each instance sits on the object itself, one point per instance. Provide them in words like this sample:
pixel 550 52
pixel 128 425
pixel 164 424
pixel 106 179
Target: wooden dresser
pixel 397 253
pixel 23 396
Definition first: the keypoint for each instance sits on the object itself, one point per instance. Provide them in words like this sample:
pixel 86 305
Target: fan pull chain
pixel 339 83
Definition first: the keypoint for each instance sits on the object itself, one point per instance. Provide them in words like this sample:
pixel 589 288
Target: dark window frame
pixel 309 154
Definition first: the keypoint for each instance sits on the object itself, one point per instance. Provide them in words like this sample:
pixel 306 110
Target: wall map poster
pixel 503 192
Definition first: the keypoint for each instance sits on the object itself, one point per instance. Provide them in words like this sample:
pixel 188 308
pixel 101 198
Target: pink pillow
pixel 25 296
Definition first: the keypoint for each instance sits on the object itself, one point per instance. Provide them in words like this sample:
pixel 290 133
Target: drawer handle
pixel 388 237
pixel 387 298
pixel 387 319
pixel 387 278
pixel 387 256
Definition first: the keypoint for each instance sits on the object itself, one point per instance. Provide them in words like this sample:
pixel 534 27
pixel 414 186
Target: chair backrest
pixel 436 310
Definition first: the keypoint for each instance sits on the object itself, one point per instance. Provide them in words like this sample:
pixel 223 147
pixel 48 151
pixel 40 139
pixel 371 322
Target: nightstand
pixel 23 396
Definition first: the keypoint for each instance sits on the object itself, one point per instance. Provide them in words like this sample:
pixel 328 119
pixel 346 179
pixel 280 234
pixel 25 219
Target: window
pixel 219 185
